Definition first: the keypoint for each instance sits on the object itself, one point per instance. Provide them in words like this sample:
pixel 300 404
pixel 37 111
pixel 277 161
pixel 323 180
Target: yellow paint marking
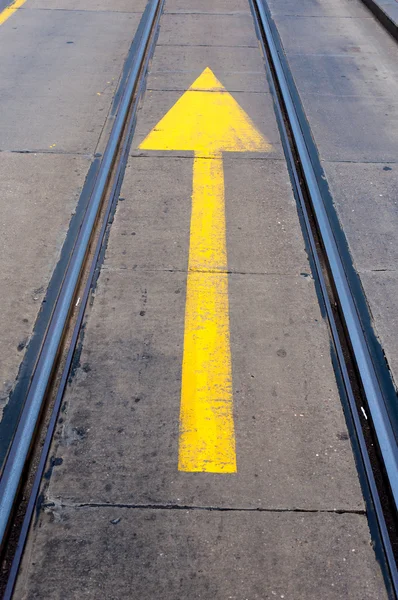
pixel 208 121
pixel 207 439
pixel 10 10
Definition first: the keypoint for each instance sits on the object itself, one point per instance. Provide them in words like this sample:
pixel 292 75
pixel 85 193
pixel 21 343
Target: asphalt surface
pixel 118 519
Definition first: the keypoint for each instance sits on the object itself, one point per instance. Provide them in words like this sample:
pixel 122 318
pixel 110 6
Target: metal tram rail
pixel 92 233
pixel 350 344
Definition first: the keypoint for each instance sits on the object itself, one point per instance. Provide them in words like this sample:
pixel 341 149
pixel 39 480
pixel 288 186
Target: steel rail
pixel 378 410
pixel 366 370
pixel 21 445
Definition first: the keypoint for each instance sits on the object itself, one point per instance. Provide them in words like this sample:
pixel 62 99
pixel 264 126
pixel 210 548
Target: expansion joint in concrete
pixel 207 45
pixel 189 157
pixel 212 14
pixel 60 504
pixel 230 91
pixel 81 10
pixel 89 155
pixel 184 271
pixel 297 16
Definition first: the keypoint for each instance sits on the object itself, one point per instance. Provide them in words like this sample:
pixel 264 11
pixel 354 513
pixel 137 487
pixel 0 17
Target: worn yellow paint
pixel 207 439
pixel 208 121
pixel 10 10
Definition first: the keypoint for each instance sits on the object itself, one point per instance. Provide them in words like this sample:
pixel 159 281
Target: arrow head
pixel 206 120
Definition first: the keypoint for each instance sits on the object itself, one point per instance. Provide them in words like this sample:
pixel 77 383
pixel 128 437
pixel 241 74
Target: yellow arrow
pixel 208 121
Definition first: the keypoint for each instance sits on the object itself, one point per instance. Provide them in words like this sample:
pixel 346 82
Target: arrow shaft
pixel 207 438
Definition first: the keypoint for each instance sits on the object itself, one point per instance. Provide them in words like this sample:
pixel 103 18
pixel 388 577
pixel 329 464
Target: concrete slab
pixel 263 232
pixel 57 80
pixel 353 129
pixel 351 76
pixel 259 107
pixel 151 230
pixel 358 126
pixel 334 35
pixel 207 6
pixel 347 79
pixel 207 30
pixel 119 438
pixel 176 67
pixel 175 59
pixel 366 199
pixel 233 82
pixel 36 208
pixel 133 6
pixel 349 93
pixel 321 8
pixel 200 555
pixel 55 63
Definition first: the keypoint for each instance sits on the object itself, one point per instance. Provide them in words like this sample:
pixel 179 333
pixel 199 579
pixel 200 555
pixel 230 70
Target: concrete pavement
pixel 345 68
pixel 58 76
pixel 118 518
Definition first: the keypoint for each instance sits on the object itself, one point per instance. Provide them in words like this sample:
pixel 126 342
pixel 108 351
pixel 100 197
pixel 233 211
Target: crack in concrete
pixel 377 270
pixel 171 506
pixel 89 155
pixel 111 268
pixel 219 91
pixel 191 71
pixel 334 95
pixel 297 16
pixel 208 45
pixel 203 12
pixel 228 155
pixel 81 10
pixel 359 162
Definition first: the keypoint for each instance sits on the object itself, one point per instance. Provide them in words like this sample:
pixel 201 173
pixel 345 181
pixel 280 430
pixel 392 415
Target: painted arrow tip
pixel 207 120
